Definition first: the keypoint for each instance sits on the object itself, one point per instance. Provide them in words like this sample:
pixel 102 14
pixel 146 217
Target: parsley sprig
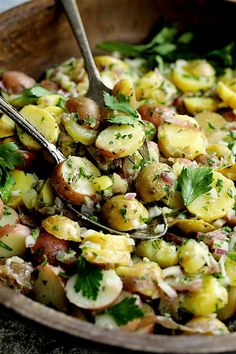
pixel 125 311
pixel 194 182
pixel 88 279
pixel 10 157
pixel 27 96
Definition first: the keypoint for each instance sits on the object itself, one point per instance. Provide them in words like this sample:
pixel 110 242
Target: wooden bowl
pixel 36 36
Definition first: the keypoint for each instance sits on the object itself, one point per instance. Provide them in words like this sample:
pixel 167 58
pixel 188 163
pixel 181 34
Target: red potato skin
pixel 50 245
pixel 17 81
pixel 108 154
pixel 85 107
pixel 50 85
pixel 64 190
pixel 28 158
pixel 17 228
pixel 154 113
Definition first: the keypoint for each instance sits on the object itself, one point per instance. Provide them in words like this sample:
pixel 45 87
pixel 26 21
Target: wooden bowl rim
pixel 152 343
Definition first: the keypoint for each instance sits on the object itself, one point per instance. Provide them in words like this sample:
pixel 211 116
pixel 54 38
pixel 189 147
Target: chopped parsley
pixel 5 246
pixel 125 311
pixel 123 212
pixel 194 182
pixel 88 280
pixel 219 185
pixel 120 103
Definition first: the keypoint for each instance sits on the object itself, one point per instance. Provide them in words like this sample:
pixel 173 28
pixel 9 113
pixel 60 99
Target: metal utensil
pixel 56 154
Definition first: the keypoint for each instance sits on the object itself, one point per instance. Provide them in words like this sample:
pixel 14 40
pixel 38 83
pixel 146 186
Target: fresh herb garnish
pixel 5 246
pixel 125 311
pixel 10 157
pixel 119 103
pixel 232 256
pixel 194 182
pixel 28 96
pixel 88 279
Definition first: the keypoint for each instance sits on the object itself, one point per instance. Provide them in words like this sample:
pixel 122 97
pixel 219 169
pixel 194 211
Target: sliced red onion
pixel 167 289
pixel 166 178
pixel 130 196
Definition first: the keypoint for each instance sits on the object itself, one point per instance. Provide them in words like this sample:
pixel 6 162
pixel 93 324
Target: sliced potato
pixel 229 171
pixel 207 326
pixel 193 76
pixel 230 308
pixel 8 217
pixel 7 126
pixel 56 112
pixel 189 226
pixel 192 256
pixel 48 287
pixel 212 206
pixel 23 183
pixel 118 141
pixel 108 250
pixel 124 214
pixel 110 289
pixel 13 240
pixel 79 133
pixel 73 179
pixel 46 195
pixel 185 140
pixel 198 104
pixel 41 120
pixel 49 100
pixel 155 181
pixel 227 92
pixel 230 268
pixel 126 88
pixel 62 227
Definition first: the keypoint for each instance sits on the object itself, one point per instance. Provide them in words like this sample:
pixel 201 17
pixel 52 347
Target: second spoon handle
pixel 31 130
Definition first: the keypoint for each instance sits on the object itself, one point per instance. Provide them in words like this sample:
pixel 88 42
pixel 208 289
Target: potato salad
pixel 181 110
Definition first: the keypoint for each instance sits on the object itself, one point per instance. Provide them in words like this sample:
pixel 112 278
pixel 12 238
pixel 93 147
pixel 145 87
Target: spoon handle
pixel 31 130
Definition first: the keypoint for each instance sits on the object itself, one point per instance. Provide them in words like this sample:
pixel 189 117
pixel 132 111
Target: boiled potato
pixel 230 308
pixel 210 298
pixel 207 326
pixel 192 256
pixel 198 104
pixel 46 195
pixel 142 278
pixel 181 139
pixel 229 171
pixel 89 115
pixel 107 250
pixel 216 203
pixel 222 152
pixel 124 214
pixel 8 216
pixel 118 141
pixel 56 112
pixel 23 182
pixel 227 92
pixel 79 133
pixel 49 100
pixel 73 179
pixel 120 185
pixel 155 181
pixel 12 240
pixel 103 185
pixel 160 251
pixel 155 87
pixel 66 144
pixel 109 290
pixel 126 88
pixel 7 126
pixel 41 120
pixel 62 227
pixel 230 268
pixel 193 76
pixel 48 287
pixel 16 81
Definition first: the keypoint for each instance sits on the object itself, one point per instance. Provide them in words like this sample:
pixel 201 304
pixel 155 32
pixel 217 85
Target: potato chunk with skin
pixel 62 227
pixel 73 179
pixel 7 126
pixel 198 104
pixel 210 298
pixel 41 120
pixel 216 203
pixel 124 214
pixel 120 140
pixel 141 277
pixel 227 92
pixel 13 240
pixel 207 326
pixel 107 250
pixel 79 133
pixel 109 290
pixel 181 139
pixel 193 76
pixel 230 268
pixel 155 181
pixel 192 255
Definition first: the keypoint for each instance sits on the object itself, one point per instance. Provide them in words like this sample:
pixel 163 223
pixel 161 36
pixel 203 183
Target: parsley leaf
pixel 193 182
pixel 125 311
pixel 28 96
pixel 120 103
pixel 10 156
pixel 88 279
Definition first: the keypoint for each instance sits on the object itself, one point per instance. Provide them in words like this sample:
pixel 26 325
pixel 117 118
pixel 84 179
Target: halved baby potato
pixel 124 214
pixel 227 92
pixel 79 133
pixel 41 120
pixel 73 179
pixel 62 227
pixel 109 290
pixel 181 139
pixel 7 126
pixel 189 226
pixel 118 141
pixel 8 216
pixel 12 240
pixel 216 203
pixel 198 104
